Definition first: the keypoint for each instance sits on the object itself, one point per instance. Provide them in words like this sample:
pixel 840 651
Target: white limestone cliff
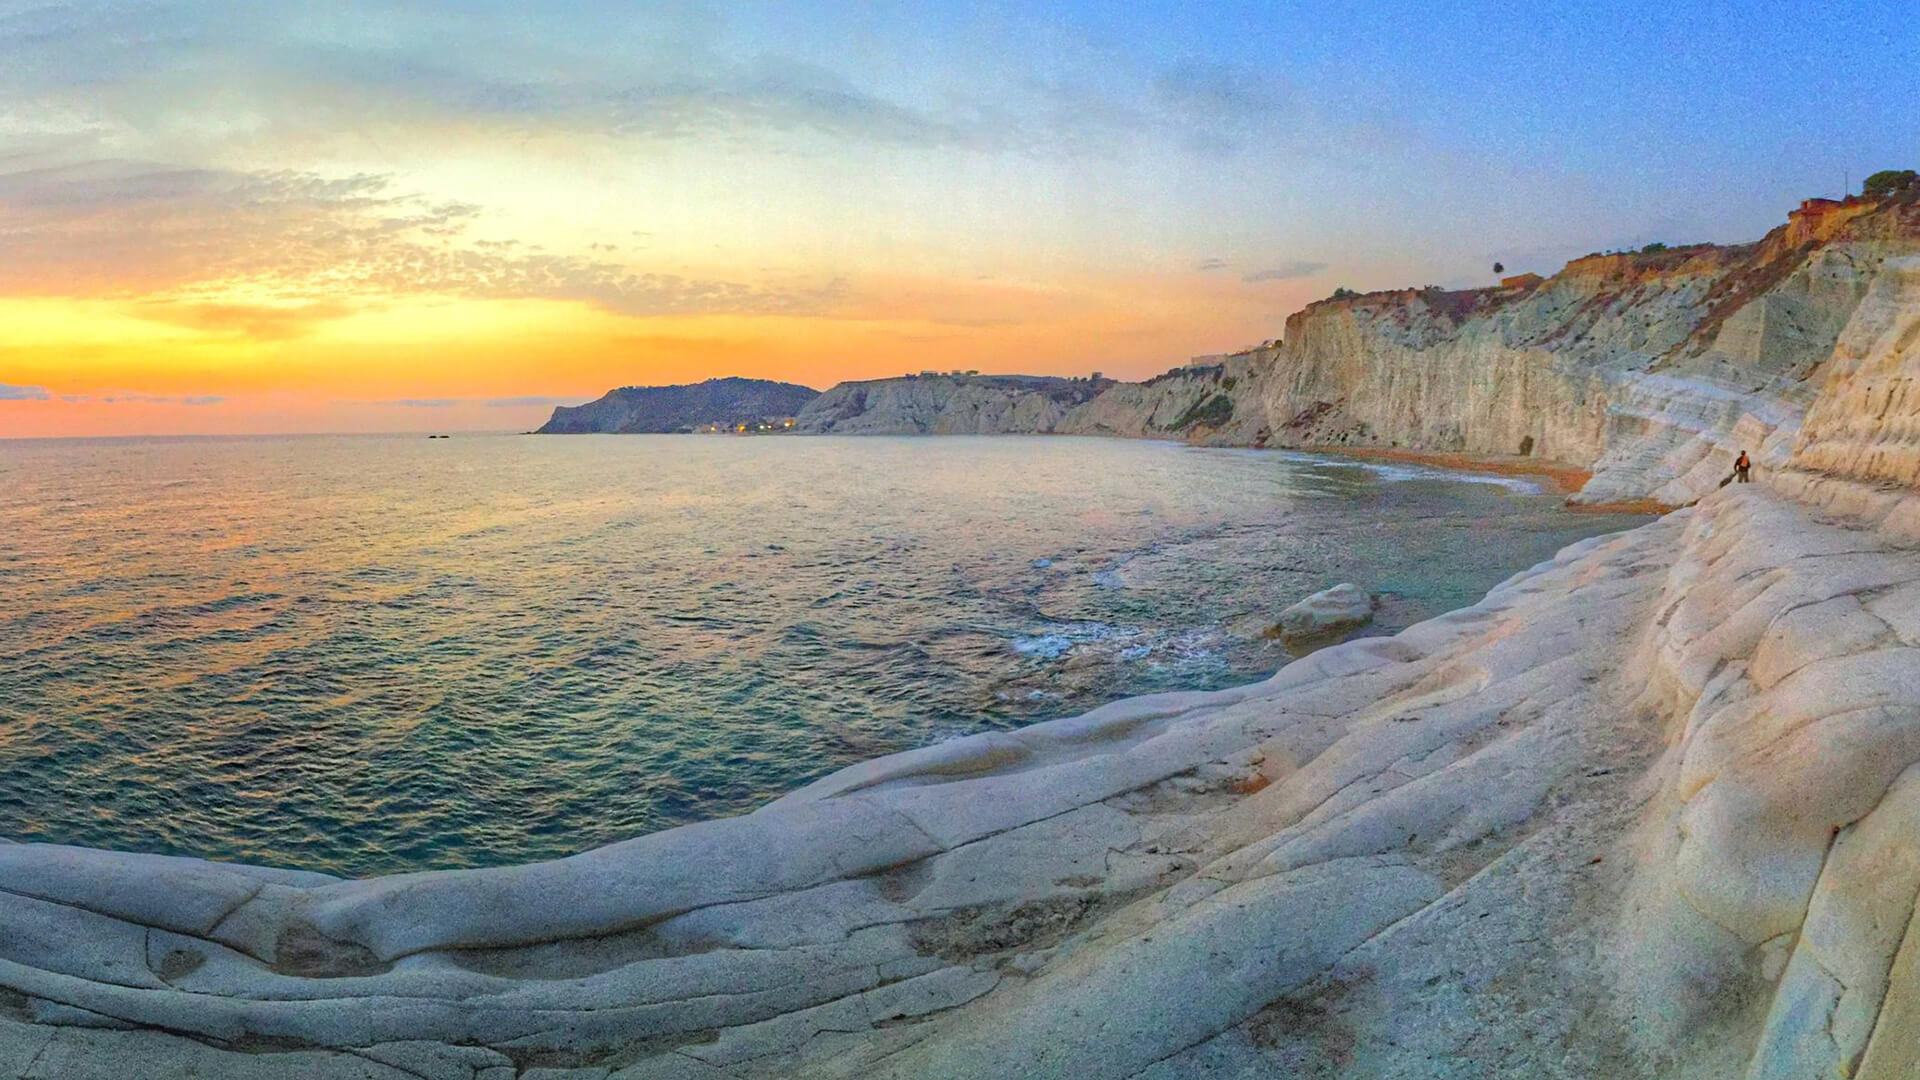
pixel 936 404
pixel 1210 402
pixel 1654 370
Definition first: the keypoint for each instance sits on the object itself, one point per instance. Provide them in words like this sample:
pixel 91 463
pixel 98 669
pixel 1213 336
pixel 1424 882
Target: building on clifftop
pixel 1815 208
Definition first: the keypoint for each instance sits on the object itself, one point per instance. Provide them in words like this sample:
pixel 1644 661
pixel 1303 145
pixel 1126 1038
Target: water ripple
pixel 364 655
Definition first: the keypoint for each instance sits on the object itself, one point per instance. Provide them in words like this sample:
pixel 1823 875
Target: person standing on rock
pixel 1741 467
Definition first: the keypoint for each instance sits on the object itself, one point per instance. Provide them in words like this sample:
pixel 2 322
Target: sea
pixel 370 654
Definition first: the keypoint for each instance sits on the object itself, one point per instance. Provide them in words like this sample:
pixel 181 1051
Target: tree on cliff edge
pixel 1888 182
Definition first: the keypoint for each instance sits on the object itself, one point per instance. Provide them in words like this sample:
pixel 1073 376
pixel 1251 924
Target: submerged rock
pixel 1325 613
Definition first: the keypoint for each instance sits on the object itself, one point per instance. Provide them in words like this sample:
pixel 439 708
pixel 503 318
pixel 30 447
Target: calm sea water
pixel 363 655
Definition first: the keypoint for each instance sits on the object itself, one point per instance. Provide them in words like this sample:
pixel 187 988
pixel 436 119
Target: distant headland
pixel 729 404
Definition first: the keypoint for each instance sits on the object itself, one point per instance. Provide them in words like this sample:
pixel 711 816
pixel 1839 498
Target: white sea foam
pixel 1047 645
pixel 1397 472
pixel 1055 640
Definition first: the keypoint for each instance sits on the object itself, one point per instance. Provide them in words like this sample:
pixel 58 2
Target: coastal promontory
pixel 716 403
pixel 955 403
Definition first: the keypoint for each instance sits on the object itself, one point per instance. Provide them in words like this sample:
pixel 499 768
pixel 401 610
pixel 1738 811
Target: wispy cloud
pixel 126 397
pixel 141 74
pixel 108 228
pixel 654 71
pixel 1218 108
pixel 772 93
pixel 259 322
pixel 23 393
pixel 1213 91
pixel 1297 269
pixel 539 400
pixel 519 402
pixel 1206 266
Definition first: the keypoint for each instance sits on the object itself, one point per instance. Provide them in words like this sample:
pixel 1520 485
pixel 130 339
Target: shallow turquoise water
pixel 364 654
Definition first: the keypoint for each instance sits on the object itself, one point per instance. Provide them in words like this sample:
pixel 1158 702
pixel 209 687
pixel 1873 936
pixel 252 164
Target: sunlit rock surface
pixel 947 404
pixel 1654 370
pixel 1326 612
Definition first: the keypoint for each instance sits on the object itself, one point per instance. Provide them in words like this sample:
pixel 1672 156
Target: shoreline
pixel 1563 480
pixel 1196 647
pixel 1556 479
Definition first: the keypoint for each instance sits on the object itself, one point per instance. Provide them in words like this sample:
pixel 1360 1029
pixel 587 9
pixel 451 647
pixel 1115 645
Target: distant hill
pixel 641 410
pixel 936 404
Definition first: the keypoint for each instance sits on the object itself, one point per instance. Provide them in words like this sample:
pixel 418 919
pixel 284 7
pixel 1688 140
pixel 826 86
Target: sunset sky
pixel 281 216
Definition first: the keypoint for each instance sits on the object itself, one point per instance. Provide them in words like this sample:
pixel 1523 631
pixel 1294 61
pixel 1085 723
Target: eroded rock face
pixel 1866 425
pixel 1653 370
pixel 934 404
pixel 1212 403
pixel 1768 896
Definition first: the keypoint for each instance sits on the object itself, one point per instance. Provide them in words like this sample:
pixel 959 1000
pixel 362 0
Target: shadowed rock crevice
pixel 305 952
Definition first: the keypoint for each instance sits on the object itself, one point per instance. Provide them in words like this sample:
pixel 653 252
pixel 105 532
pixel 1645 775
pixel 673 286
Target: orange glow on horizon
pixel 427 362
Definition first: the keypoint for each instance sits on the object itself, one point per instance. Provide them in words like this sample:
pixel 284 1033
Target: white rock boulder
pixel 1326 613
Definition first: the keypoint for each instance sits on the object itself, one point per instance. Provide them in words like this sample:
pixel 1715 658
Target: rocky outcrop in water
pixel 636 410
pixel 935 404
pixel 1325 613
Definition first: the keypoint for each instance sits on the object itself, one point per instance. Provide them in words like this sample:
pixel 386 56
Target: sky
pixel 280 216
